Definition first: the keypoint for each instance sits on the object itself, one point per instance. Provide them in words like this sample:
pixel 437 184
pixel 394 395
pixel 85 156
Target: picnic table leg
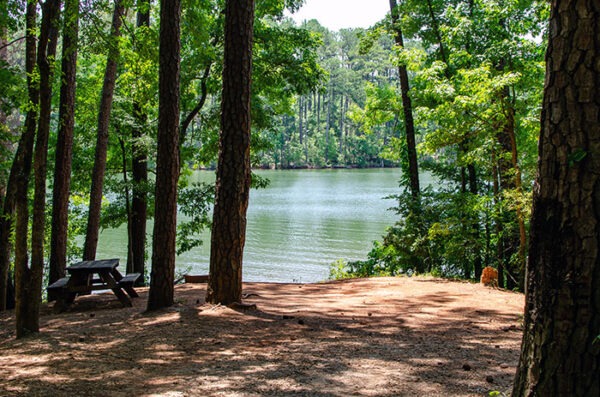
pixel 118 291
pixel 64 299
pixel 128 288
pixel 131 292
pixel 122 297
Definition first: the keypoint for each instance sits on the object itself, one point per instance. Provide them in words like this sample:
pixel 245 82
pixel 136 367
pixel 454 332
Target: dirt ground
pixel 363 337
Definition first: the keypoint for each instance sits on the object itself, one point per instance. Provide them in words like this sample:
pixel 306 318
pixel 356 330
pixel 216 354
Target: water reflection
pixel 302 222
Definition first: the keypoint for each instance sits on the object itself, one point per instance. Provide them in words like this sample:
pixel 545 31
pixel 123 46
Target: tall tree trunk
pixel 522 233
pixel 110 75
pixel 40 161
pixel 127 205
pixel 346 128
pixel 167 161
pixel 300 119
pixel 64 145
pixel 560 355
pixel 282 152
pixel 328 121
pixel 233 172
pixel 21 165
pixel 307 105
pixel 318 113
pixel 6 150
pixel 511 238
pixel 341 142
pixel 498 219
pixel 515 239
pixel 477 264
pixel 413 167
pixel 139 170
pixel 4 176
pixel 28 280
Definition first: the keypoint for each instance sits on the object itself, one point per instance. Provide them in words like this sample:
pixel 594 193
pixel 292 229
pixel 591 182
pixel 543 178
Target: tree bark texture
pixel 21 165
pixel 40 160
pixel 409 125
pixel 64 145
pixel 139 169
pixel 560 355
pixel 167 162
pixel 108 87
pixel 28 280
pixel 233 171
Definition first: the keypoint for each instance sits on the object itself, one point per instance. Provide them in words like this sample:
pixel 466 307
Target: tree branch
pixel 12 42
pixel 190 117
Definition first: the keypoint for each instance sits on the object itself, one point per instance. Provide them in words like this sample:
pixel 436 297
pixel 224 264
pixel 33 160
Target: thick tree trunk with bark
pixel 409 125
pixel 28 280
pixel 167 161
pixel 139 170
pixel 560 355
pixel 110 75
pixel 64 145
pixel 233 172
pixel 40 160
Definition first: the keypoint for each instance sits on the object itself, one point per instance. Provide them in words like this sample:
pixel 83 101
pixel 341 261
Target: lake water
pixel 299 225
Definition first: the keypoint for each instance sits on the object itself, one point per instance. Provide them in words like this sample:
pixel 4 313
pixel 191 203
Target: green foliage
pixel 380 262
pixel 329 99
pixel 180 274
pixel 476 68
pixel 194 204
pixel 338 271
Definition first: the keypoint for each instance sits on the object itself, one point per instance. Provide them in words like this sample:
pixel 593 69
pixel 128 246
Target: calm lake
pixel 299 225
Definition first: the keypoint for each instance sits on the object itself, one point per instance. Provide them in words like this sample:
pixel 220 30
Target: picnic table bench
pixel 83 282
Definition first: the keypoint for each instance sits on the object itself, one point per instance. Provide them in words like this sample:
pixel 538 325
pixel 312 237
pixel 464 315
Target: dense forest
pixel 472 71
pixel 107 106
pixel 449 88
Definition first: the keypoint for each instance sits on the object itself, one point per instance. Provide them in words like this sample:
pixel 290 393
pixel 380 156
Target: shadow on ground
pixel 380 337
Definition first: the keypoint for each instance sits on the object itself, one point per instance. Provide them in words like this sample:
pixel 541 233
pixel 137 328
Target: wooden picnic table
pixel 83 281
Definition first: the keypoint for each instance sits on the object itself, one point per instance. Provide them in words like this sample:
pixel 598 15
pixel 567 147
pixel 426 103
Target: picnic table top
pixel 100 265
